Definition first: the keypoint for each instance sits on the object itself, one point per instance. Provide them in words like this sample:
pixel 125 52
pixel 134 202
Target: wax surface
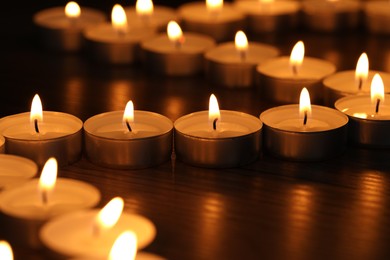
pixel 197 12
pixel 146 124
pixel 159 18
pixel 68 195
pixel 231 124
pixel 287 118
pixel 256 53
pixel 71 234
pixel 15 170
pixel 273 8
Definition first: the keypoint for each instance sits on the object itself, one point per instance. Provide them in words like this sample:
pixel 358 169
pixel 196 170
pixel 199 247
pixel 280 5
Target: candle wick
pixel 215 124
pixel 44 197
pixel 243 55
pixel 95 230
pixel 360 84
pixel 294 69
pixel 377 106
pixel 36 126
pixel 305 118
pixel 178 44
pixel 128 126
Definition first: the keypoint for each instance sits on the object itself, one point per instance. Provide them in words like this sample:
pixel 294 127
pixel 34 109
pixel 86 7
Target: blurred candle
pixel 6 250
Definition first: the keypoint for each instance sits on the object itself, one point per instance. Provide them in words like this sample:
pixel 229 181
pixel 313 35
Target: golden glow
pixel 241 42
pixel 214 5
pixel 125 247
pixel 36 110
pixel 304 103
pixel 174 31
pixel 360 115
pixel 144 7
pixel 266 1
pixel 128 115
pixel 72 10
pixel 377 89
pixel 362 68
pixel 6 251
pixel 119 19
pixel 296 57
pixel 110 214
pixel 48 178
pixel 214 113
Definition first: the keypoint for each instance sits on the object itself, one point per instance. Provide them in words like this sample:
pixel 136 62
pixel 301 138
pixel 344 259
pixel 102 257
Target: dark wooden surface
pixel 271 209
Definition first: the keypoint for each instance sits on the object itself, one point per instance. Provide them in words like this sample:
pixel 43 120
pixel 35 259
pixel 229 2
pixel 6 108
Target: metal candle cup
pixel 22 212
pixel 60 137
pixel 278 83
pixel 221 24
pixel 236 143
pixel 366 128
pixel 110 144
pixel 328 15
pixel 225 66
pixel 163 57
pixel 59 32
pixel 377 16
pixel 342 84
pixel 285 135
pixel 15 170
pixel 269 17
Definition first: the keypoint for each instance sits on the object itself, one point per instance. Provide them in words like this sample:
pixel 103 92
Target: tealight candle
pixel 175 54
pixel 234 64
pixel 146 15
pixel 330 15
pixel 217 139
pixel 15 170
pixel 269 16
pixel 116 42
pixel 369 116
pixel 213 18
pixel 128 139
pixel 346 83
pixel 24 209
pixel 61 28
pixel 377 16
pixel 282 78
pixel 304 132
pixel 91 233
pixel 39 135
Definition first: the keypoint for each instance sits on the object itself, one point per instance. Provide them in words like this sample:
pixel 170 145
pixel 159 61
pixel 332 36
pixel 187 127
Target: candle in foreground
pixel 369 116
pixel 281 78
pixel 217 139
pixel 128 139
pixel 24 209
pixel 213 18
pixel 39 135
pixel 233 64
pixel 15 170
pixel 175 53
pixel 116 42
pixel 304 132
pixel 61 28
pixel 91 233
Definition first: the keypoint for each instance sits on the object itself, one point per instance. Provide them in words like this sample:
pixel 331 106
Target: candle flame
pixel 119 19
pixel 6 250
pixel 125 247
pixel 175 33
pixel 48 178
pixel 304 103
pixel 214 113
pixel 362 68
pixel 128 115
pixel 109 215
pixel 72 10
pixel 377 90
pixel 144 7
pixel 296 57
pixel 36 114
pixel 214 6
pixel 241 42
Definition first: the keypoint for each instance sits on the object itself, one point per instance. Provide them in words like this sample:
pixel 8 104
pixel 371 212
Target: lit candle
pixel 116 42
pixel 330 15
pixel 213 18
pixel 175 53
pixel 6 250
pixel 15 170
pixel 304 132
pixel 128 139
pixel 61 28
pixel 377 16
pixel 281 78
pixel 91 233
pixel 369 116
pixel 269 16
pixel 145 14
pixel 24 209
pixel 233 64
pixel 217 139
pixel 346 83
pixel 39 135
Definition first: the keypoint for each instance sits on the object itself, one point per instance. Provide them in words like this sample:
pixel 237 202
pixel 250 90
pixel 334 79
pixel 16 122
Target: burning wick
pixel 294 69
pixel 215 124
pixel 378 101
pixel 36 126
pixel 128 126
pixel 360 83
pixel 305 118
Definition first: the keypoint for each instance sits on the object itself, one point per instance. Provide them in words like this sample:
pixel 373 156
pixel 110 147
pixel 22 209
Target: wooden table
pixel 271 209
